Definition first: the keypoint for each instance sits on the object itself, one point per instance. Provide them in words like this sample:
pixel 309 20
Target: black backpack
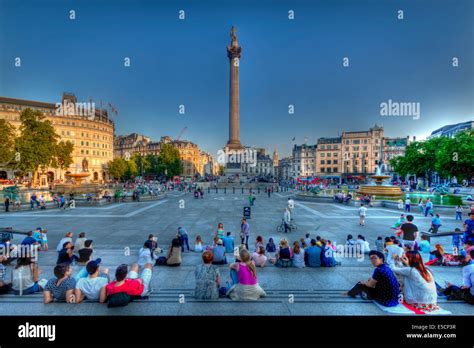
pixel 120 299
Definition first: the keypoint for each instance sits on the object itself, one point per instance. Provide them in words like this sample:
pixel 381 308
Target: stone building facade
pixel 92 135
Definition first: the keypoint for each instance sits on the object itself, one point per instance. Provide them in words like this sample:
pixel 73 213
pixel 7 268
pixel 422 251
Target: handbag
pixel 120 299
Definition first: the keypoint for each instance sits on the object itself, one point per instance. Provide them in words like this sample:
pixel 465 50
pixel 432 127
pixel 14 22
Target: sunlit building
pixel 88 128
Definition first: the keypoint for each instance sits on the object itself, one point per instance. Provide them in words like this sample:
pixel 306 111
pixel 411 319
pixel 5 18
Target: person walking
pixel 287 219
pixel 7 204
pixel 407 204
pixel 428 207
pixel 459 213
pixel 362 214
pixel 244 233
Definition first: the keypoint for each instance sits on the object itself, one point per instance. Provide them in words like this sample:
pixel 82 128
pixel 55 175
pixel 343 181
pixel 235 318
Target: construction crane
pixel 181 133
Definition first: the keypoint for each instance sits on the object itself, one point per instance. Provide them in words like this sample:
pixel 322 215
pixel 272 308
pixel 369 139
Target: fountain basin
pixel 78 187
pixel 379 189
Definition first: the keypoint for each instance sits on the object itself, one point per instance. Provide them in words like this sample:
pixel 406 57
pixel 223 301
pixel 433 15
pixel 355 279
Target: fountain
pixel 78 186
pixel 380 188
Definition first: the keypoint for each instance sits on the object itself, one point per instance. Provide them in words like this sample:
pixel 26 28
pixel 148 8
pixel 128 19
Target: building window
pixel 334 169
pixel 323 170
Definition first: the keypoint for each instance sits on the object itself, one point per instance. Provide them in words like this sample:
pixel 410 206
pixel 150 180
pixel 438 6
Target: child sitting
pixel 198 245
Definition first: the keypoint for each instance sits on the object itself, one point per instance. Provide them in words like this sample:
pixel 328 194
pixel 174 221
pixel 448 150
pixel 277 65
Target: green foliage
pixel 221 170
pixel 170 161
pixel 7 143
pixel 447 157
pixel 63 155
pixel 154 166
pixel 38 144
pixel 131 171
pixel 142 164
pixel 117 168
pixel 456 157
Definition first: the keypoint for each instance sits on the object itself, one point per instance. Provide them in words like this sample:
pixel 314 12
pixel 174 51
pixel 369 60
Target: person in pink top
pixel 244 277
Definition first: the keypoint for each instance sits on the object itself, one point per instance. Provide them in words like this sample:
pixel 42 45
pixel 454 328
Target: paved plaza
pixel 118 226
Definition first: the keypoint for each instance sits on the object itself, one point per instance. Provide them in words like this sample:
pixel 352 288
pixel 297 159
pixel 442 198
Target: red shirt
pixel 132 287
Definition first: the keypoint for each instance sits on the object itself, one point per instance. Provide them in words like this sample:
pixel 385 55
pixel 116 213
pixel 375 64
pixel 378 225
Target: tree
pixel 170 161
pixel 456 157
pixel 154 166
pixel 142 164
pixel 37 144
pixel 447 157
pixel 418 160
pixel 131 170
pixel 117 168
pixel 63 155
pixel 7 144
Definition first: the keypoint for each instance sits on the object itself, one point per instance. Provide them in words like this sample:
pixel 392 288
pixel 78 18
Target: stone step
pixel 275 296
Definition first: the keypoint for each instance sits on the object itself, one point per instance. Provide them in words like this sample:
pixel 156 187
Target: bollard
pixel 233 189
pixel 242 190
pixel 208 190
pixel 258 190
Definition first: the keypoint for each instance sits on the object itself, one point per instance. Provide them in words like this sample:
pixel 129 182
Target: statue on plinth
pixel 85 165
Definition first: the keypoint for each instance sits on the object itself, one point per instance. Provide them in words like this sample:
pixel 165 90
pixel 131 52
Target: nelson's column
pixel 234 52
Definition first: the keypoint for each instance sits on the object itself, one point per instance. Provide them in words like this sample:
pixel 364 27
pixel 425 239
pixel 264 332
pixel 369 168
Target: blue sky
pixel 283 62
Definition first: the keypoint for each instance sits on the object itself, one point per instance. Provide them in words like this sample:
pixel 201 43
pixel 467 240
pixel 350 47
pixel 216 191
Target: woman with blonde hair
pixel 244 276
pixel 284 255
pixel 298 255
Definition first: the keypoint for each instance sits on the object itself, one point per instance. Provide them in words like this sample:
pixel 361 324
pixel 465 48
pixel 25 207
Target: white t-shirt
pixel 291 204
pixel 407 201
pixel 144 257
pixel 393 249
pixel 364 245
pixel 259 259
pixel 90 287
pixel 61 243
pixel 362 211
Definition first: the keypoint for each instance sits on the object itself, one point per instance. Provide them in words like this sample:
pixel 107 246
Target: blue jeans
pixel 31 290
pixel 234 276
pixel 458 215
pixel 427 210
pixel 184 239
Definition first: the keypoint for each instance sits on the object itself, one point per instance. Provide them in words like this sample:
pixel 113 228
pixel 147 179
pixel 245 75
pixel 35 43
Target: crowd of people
pixel 402 272
pixel 403 262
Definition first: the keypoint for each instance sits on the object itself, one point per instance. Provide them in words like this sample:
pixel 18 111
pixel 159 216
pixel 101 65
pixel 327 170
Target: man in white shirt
pixel 67 238
pixel 89 287
pixel 407 205
pixel 362 215
pixel 42 201
pixel 291 204
pixel 394 252
pixel 287 219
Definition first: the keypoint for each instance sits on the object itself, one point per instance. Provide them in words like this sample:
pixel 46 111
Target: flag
pixel 294 138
